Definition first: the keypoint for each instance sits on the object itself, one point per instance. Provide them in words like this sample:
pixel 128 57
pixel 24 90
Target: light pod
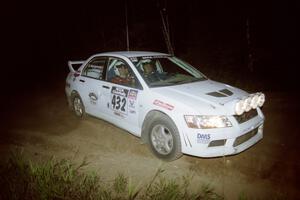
pixel 239 107
pixel 261 100
pixel 254 101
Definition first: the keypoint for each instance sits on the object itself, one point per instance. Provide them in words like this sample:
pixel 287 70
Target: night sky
pixel 39 37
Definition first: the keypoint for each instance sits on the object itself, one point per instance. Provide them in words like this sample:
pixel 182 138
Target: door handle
pixel 104 86
pixel 81 80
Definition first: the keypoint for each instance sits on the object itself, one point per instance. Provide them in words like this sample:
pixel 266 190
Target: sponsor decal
pixel 93 98
pixel 158 56
pixel 133 59
pixel 132 94
pixel 93 102
pixel 119 114
pixel 119 91
pixel 132 111
pixel 203 138
pixel 131 104
pixel 163 104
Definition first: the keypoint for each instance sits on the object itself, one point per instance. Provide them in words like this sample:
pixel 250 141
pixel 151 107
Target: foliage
pixel 60 179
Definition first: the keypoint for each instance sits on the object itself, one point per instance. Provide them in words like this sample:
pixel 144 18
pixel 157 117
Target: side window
pixel 120 73
pixel 95 69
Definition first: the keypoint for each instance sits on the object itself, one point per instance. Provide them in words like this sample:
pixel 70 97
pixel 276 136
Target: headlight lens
pixel 207 121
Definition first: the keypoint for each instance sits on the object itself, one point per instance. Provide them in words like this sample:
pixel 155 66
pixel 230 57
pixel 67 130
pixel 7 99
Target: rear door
pixel 91 82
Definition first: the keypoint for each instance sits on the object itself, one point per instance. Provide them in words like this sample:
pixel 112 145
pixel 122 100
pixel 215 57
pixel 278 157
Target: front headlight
pixel 207 121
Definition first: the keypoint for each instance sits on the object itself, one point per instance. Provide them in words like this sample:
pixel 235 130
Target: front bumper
pixel 225 141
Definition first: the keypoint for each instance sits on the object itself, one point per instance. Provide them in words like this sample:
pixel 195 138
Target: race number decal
pixel 119 101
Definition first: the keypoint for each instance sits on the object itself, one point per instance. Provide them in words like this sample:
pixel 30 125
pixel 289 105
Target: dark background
pixel 40 37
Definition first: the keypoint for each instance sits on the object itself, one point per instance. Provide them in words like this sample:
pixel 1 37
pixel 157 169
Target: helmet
pixel 118 65
pixel 142 63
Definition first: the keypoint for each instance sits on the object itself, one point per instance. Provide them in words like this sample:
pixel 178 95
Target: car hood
pixel 198 94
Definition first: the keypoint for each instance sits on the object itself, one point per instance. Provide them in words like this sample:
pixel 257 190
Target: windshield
pixel 166 71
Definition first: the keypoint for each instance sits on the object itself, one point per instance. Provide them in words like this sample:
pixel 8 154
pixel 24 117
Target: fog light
pixel 261 100
pixel 254 101
pixel 216 143
pixel 247 105
pixel 239 107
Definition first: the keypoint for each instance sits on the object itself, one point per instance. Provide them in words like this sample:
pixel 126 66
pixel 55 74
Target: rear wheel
pixel 78 106
pixel 163 138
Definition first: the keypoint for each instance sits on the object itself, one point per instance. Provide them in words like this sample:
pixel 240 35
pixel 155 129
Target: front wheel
pixel 164 139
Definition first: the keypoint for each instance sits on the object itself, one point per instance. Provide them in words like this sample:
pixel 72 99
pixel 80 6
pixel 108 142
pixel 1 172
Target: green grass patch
pixel 21 178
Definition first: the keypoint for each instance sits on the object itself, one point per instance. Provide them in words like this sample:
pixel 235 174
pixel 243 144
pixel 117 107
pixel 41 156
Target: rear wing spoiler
pixel 71 63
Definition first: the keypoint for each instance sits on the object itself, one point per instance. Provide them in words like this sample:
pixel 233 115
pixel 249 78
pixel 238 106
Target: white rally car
pixel 168 103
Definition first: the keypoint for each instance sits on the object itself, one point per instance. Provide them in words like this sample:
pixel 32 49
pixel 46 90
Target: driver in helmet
pixel 150 73
pixel 123 76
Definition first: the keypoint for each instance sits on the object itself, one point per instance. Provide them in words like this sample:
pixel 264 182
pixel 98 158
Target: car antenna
pixel 166 30
pixel 127 34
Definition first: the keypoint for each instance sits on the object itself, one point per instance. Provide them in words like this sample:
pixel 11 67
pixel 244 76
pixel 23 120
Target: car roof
pixel 130 54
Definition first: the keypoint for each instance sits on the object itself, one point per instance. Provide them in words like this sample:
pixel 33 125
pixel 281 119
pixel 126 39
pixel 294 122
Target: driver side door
pixel 122 98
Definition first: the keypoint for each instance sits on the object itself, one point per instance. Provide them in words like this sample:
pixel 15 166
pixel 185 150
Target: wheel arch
pixel 150 114
pixel 73 94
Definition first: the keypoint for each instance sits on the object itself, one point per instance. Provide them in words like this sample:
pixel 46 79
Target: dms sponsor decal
pixel 163 105
pixel 132 94
pixel 119 91
pixel 203 138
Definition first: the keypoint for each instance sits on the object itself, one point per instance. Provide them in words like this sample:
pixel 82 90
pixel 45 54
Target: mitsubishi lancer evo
pixel 165 101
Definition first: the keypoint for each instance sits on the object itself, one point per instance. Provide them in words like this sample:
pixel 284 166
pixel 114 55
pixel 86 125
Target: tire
pixel 163 137
pixel 78 107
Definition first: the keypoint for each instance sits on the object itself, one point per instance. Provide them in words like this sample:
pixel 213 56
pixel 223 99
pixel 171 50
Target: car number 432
pixel 118 103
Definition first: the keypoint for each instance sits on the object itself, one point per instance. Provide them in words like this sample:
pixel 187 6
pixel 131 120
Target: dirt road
pixel 41 124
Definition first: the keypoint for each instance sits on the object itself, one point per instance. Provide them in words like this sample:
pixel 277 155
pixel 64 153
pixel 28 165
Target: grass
pixel 21 178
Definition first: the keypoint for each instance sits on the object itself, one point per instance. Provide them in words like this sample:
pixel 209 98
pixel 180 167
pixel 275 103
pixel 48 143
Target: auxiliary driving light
pixel 239 107
pixel 247 102
pixel 252 101
pixel 261 100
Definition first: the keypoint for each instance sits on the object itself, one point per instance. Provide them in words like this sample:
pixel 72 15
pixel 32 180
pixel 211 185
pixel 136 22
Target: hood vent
pixel 221 93
pixel 216 94
pixel 226 91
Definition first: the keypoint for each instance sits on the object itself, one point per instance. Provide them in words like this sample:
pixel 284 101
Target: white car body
pixel 200 98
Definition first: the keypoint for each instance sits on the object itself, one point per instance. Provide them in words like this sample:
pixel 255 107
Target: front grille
pixel 245 116
pixel 243 138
